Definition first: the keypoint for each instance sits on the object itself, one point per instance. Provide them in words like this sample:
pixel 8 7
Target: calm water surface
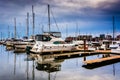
pixel 19 67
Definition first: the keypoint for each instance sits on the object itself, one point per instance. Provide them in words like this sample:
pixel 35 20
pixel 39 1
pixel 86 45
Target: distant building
pixel 118 37
pixel 95 39
pixel 80 37
pixel 87 37
pixel 108 37
pixel 102 36
pixel 70 39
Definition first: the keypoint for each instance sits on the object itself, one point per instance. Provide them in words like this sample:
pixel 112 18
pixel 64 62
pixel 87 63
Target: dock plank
pixel 103 51
pixel 78 53
pixel 101 59
pixel 94 52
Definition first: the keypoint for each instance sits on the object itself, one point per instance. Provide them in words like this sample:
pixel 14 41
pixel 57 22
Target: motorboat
pixel 51 42
pixel 117 50
pixel 21 46
pixel 105 44
pixel 115 44
pixel 11 42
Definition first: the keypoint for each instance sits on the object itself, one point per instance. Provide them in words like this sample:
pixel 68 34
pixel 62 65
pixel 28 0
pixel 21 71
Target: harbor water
pixel 17 66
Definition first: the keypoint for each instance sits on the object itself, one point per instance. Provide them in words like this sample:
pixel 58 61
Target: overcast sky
pixel 81 16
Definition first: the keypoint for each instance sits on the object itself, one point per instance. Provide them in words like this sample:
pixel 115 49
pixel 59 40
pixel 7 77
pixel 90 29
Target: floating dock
pixel 108 57
pixel 101 60
pixel 91 64
pixel 103 51
pixel 75 54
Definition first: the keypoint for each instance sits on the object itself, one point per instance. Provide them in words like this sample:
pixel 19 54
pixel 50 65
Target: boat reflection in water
pixel 47 64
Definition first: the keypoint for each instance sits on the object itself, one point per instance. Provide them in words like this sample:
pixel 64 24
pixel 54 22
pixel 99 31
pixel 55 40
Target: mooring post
pixel 84 47
pixel 84 58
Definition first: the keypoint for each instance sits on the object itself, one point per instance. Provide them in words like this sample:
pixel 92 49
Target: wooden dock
pixel 101 60
pixel 75 54
pixel 108 57
pixel 103 51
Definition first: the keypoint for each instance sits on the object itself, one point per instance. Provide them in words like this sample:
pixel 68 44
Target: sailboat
pixel 21 46
pixel 115 46
pixel 11 42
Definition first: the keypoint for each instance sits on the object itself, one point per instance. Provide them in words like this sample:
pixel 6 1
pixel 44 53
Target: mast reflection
pixel 33 72
pixel 114 69
pixel 27 68
pixel 14 64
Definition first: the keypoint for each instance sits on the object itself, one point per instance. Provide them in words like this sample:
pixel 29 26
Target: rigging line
pixel 55 21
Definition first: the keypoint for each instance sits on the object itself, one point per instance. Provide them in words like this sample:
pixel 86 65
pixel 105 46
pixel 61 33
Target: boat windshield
pixel 42 38
pixel 55 34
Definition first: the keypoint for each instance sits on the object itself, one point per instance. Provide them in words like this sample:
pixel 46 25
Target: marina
pixel 47 53
pixel 59 40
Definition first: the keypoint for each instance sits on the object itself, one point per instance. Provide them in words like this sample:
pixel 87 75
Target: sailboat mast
pixel 33 16
pixel 66 30
pixel 113 28
pixel 49 17
pixel 76 31
pixel 1 35
pixel 14 27
pixel 8 32
pixel 27 25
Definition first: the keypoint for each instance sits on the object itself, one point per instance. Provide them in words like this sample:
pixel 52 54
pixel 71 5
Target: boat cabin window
pixel 96 44
pixel 114 42
pixel 42 38
pixel 59 42
pixel 55 34
pixel 106 42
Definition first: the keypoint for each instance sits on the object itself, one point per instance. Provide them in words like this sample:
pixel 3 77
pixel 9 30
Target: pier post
pixel 84 47
pixel 84 58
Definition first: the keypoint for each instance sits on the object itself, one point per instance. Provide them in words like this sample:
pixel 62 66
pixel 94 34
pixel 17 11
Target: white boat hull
pixel 53 49
pixel 115 51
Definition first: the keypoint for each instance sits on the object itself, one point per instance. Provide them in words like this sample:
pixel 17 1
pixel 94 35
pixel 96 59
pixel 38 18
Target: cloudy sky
pixel 72 16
